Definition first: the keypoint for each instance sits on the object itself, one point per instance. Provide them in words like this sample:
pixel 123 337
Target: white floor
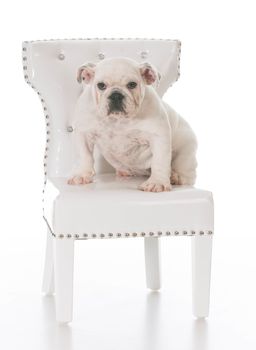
pixel 112 308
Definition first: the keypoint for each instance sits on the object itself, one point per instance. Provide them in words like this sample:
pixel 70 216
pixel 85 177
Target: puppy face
pixel 118 85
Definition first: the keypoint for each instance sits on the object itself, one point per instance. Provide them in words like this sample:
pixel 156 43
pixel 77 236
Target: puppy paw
pixel 155 186
pixel 175 178
pixel 80 180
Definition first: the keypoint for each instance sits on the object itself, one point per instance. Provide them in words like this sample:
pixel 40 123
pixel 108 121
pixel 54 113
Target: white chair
pixel 108 208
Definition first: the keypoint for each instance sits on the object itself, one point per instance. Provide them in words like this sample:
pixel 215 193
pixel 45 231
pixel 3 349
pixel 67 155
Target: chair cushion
pixel 114 207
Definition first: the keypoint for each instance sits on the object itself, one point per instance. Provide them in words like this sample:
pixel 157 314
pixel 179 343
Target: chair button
pixel 101 56
pixel 61 56
pixel 144 54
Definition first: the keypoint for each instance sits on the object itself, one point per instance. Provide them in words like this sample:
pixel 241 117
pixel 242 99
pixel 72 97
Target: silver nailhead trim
pixel 134 234
pixel 127 234
pixel 26 77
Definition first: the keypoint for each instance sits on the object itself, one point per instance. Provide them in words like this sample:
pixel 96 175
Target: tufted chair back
pixel 50 68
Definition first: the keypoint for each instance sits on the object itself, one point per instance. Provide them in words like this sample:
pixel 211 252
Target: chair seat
pixel 112 207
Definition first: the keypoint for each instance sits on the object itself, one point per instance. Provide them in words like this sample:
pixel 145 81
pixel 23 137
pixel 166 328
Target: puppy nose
pixel 116 97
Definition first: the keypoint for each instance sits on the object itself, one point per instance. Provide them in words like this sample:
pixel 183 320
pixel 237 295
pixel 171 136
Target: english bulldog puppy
pixel 138 133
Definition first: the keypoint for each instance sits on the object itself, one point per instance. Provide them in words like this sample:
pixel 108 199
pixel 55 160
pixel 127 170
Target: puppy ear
pixel 86 72
pixel 149 73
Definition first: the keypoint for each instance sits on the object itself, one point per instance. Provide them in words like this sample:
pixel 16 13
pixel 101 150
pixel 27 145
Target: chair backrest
pixel 50 68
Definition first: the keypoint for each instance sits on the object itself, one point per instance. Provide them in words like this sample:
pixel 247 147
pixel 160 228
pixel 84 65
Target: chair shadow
pixel 58 336
pixel 200 334
pixel 151 336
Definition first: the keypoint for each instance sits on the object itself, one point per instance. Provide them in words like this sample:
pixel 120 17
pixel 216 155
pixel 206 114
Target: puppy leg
pixel 184 166
pixel 159 179
pixel 84 171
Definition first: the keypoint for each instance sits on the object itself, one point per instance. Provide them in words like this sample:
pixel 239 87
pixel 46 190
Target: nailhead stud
pixel 76 235
pixel 102 235
pixel 134 234
pixel 61 236
pixel 85 235
pixel 185 232
pixel 127 234
pixel 69 128
pixel 193 232
pixel 151 233
pixel 176 233
pixel 201 233
pixel 69 235
pixel 209 232
pixel 143 234
pixel 159 233
pixel 119 235
pixel 94 235
pixel 168 233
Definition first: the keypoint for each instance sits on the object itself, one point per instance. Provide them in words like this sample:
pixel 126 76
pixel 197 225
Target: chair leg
pixel 152 262
pixel 63 273
pixel 201 274
pixel 48 277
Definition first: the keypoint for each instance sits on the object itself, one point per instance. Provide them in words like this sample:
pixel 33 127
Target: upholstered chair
pixel 108 208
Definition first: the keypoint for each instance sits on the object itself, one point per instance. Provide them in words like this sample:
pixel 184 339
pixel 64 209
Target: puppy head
pixel 118 85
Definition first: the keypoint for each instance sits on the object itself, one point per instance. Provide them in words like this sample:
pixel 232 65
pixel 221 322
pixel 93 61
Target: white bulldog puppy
pixel 120 111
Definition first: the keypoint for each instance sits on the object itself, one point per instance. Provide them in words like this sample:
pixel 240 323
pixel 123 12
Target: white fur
pixel 150 138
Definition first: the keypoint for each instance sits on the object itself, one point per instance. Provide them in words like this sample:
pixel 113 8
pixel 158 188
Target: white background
pixel 216 94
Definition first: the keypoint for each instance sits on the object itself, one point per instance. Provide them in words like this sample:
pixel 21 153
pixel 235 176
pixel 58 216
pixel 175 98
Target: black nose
pixel 116 97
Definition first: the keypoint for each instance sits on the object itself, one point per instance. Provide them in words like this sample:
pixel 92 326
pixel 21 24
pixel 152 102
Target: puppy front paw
pixel 80 179
pixel 155 186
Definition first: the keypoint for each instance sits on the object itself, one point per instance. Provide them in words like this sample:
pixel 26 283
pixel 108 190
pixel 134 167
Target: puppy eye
pixel 131 85
pixel 102 86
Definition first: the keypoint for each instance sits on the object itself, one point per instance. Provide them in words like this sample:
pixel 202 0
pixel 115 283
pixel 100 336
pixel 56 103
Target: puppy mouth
pixel 116 109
